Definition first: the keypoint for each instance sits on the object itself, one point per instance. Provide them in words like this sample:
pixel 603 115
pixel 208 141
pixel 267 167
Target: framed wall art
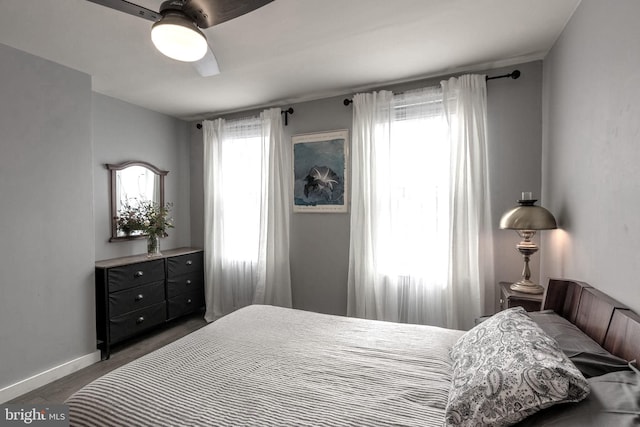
pixel 320 162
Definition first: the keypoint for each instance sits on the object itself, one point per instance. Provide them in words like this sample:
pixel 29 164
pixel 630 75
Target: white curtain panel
pixel 413 207
pixel 367 296
pixel 247 210
pixel 274 281
pixel 471 241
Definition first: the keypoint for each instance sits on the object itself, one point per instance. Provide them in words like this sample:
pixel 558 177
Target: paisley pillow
pixel 507 368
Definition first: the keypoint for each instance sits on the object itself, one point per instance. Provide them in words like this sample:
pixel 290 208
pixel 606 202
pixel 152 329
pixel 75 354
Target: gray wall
pixel 320 242
pixel 56 137
pixel 591 149
pixel 46 220
pixel 122 132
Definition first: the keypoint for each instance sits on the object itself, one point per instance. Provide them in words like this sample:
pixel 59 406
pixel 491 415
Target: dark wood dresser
pixel 137 293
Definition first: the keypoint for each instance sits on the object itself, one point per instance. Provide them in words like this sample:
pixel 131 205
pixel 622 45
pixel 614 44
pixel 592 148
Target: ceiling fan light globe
pixel 178 41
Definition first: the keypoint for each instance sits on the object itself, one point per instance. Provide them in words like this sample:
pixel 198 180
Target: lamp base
pixel 527 286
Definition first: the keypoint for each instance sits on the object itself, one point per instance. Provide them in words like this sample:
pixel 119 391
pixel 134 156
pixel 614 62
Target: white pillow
pixel 507 368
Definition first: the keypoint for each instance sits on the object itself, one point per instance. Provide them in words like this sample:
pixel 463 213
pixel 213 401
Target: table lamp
pixel 526 219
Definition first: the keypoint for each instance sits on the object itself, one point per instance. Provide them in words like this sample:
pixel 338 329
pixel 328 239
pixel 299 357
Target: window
pixel 246 213
pixel 241 190
pixel 420 247
pixel 415 232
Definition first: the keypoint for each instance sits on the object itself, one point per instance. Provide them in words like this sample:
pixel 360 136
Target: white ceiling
pixel 287 51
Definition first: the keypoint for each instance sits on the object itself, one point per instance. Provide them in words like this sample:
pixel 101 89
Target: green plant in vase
pixel 149 218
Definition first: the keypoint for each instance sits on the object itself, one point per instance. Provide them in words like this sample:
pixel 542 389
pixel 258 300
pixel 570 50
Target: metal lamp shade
pixel 528 217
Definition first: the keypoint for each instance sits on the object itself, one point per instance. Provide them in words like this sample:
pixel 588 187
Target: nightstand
pixel 510 298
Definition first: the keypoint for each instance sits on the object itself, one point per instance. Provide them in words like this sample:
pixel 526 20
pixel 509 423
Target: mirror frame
pixel 113 168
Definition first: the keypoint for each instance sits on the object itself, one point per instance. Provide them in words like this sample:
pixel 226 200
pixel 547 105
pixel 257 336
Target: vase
pixel 153 245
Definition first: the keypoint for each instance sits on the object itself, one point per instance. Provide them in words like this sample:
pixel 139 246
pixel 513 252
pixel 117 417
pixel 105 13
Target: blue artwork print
pixel 321 185
pixel 319 170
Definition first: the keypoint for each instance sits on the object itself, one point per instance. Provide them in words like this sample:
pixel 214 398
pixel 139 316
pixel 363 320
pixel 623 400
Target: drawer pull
pixel 189 262
pixel 139 320
pixel 139 273
pixel 139 297
pixel 189 301
pixel 188 282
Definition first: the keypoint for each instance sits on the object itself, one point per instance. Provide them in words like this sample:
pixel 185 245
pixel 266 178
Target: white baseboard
pixel 43 378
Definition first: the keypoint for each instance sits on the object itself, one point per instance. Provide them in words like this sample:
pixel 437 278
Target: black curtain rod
pixel 514 75
pixel 285 112
pixel 286 115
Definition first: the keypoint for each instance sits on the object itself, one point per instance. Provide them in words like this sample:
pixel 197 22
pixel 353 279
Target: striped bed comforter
pixel 270 366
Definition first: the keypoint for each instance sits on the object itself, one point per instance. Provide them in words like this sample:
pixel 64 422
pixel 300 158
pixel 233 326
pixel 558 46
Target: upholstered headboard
pixel 610 323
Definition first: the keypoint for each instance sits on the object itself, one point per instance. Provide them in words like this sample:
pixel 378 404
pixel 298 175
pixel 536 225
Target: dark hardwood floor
pixel 59 390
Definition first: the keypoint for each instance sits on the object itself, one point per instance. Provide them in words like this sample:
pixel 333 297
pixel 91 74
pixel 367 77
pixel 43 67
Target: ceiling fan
pixel 176 29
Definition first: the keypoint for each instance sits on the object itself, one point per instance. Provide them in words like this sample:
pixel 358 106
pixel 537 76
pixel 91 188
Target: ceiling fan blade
pixel 130 8
pixel 208 13
pixel 207 66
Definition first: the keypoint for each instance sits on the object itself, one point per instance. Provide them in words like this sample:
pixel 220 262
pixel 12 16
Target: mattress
pixel 271 366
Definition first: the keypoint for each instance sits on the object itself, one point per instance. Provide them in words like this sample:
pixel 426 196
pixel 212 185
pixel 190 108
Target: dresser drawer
pixel 185 283
pixel 131 299
pixel 528 305
pixel 184 264
pixel 185 303
pixel 129 276
pixel 132 323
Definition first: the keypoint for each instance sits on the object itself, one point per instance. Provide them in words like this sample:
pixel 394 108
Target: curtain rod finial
pixel 286 115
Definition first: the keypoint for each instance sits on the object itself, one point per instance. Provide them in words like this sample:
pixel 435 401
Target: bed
pixel 272 366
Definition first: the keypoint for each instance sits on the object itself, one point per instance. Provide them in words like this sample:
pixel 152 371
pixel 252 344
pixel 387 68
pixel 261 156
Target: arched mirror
pixel 132 183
